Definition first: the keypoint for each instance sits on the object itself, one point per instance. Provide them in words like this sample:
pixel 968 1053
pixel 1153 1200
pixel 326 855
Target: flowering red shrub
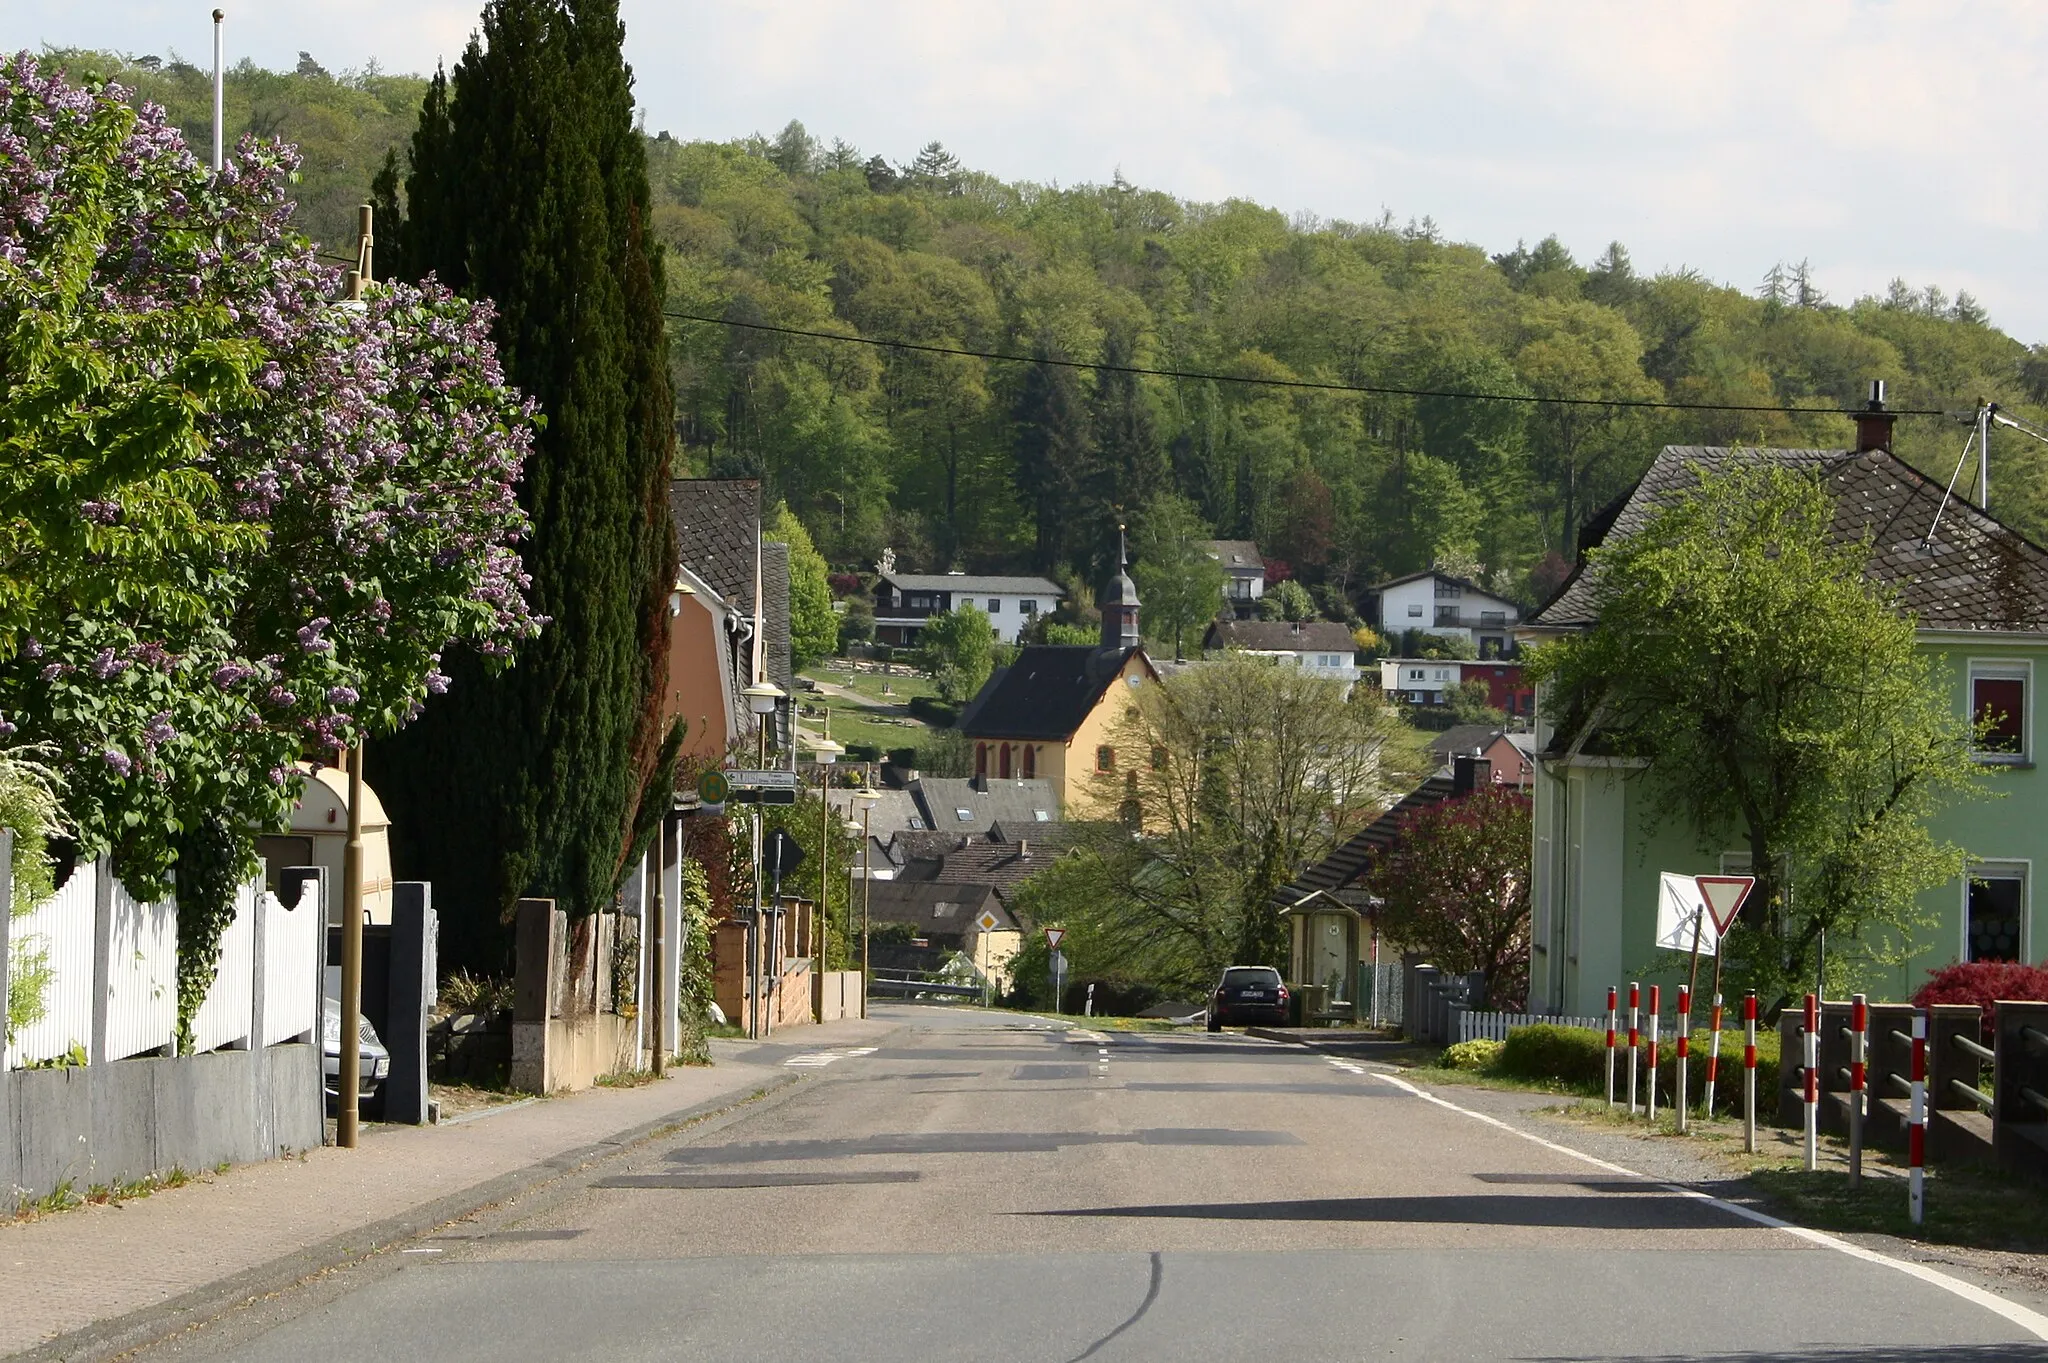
pixel 845 584
pixel 1278 570
pixel 1984 983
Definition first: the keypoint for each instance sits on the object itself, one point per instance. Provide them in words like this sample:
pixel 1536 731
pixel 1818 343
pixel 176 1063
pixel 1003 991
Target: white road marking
pixel 2031 1321
pixel 813 1060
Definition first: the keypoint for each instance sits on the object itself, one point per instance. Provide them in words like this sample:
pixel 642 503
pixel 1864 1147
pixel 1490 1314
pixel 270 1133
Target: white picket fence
pixel 1496 1026
pixel 141 972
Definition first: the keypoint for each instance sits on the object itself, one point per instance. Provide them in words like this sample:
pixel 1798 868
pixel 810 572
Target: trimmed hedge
pixel 1576 1057
pixel 932 710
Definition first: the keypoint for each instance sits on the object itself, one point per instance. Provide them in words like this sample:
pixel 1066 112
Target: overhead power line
pixel 1375 390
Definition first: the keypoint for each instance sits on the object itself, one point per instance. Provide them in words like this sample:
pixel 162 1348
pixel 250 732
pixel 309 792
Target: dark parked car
pixel 1247 994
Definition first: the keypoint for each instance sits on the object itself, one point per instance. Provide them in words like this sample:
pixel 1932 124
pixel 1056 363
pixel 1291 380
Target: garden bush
pixel 1576 1058
pixel 1983 983
pixel 1476 1055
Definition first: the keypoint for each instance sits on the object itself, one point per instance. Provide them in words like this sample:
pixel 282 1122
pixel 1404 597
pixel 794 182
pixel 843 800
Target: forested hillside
pixel 960 461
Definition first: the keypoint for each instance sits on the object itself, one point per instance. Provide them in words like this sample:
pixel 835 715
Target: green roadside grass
pixel 902 686
pixel 1968 1205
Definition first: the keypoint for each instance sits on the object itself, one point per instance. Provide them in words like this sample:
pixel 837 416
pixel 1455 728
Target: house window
pixel 1158 758
pixel 995 605
pixel 1998 706
pixel 981 759
pixel 1415 674
pixel 1030 762
pixel 1448 589
pixel 1003 763
pixel 1028 606
pixel 1415 611
pixel 1447 615
pixel 917 600
pixel 917 821
pixel 964 815
pixel 1042 815
pixel 1105 758
pixel 1995 903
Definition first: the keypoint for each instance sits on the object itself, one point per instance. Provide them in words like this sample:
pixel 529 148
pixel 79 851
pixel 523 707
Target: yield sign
pixel 1724 896
pixel 1053 937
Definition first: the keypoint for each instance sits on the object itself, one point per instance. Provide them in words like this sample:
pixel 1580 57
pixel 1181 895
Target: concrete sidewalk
pixel 105 1279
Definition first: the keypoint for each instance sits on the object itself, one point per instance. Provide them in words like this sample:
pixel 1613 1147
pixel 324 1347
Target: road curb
pixel 150 1324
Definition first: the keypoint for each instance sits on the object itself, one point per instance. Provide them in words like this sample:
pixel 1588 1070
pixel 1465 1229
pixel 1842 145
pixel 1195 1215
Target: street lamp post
pixel 866 797
pixel 827 753
pixel 762 698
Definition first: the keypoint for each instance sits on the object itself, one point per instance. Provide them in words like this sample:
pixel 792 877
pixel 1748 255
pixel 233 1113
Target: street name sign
pixel 756 787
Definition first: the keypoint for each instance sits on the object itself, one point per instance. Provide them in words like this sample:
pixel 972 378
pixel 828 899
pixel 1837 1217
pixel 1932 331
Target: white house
pixel 1320 647
pixel 1244 574
pixel 1438 603
pixel 1420 681
pixel 904 601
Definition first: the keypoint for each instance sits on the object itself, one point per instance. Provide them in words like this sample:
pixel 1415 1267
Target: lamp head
pixel 762 697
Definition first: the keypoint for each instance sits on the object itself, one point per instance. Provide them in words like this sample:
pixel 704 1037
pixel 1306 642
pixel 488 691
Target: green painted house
pixel 1979 595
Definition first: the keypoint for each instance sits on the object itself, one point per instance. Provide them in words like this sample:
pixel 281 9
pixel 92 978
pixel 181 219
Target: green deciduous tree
pixel 528 186
pixel 1455 886
pixel 1287 600
pixel 813 628
pixel 1772 691
pixel 1180 587
pixel 958 648
pixel 1234 774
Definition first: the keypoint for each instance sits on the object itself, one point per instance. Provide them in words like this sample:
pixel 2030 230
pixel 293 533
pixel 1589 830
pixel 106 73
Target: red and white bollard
pixel 1810 1072
pixel 1656 1001
pixel 1684 1049
pixel 1749 1072
pixel 1916 1133
pixel 1611 1002
pixel 1635 1041
pixel 1859 1035
pixel 1713 1055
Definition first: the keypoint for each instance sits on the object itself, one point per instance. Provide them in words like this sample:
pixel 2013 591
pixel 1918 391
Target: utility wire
pixel 1377 390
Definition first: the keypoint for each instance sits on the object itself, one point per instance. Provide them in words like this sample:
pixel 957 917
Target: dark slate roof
pixel 973 584
pixel 776 657
pixel 1976 575
pixel 715 520
pixel 940 800
pixel 1236 556
pixel 1045 694
pixel 1338 873
pixel 1281 636
pixel 936 910
pixel 1462 738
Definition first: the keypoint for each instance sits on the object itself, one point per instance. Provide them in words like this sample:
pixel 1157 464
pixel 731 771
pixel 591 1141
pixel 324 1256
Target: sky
pixel 1875 139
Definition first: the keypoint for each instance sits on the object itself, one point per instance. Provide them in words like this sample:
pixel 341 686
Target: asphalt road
pixel 990 1188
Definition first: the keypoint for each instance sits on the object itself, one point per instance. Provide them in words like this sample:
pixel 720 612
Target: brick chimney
pixel 1874 423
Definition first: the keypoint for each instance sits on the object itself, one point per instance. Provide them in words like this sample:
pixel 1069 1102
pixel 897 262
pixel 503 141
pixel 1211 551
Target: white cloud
pixel 1875 137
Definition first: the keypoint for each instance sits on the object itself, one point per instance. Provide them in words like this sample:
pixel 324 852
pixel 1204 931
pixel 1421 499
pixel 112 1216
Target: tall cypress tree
pixel 528 186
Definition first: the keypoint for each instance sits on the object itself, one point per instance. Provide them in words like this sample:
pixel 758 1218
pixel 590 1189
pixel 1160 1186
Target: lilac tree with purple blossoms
pixel 239 523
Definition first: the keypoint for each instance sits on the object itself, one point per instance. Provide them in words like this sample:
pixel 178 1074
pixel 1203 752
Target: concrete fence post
pixel 415 943
pixel 537 950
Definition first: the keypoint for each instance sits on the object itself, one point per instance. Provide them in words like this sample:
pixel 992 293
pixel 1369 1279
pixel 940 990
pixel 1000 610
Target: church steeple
pixel 1119 603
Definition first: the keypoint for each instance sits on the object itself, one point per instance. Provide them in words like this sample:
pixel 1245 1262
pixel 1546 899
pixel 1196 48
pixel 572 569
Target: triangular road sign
pixel 1724 896
pixel 1053 936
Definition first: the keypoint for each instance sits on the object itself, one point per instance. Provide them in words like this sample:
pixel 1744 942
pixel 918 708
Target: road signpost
pixel 751 786
pixel 988 922
pixel 1723 898
pixel 714 788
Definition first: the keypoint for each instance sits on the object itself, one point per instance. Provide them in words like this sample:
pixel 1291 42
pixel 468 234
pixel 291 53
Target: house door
pixel 1331 958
